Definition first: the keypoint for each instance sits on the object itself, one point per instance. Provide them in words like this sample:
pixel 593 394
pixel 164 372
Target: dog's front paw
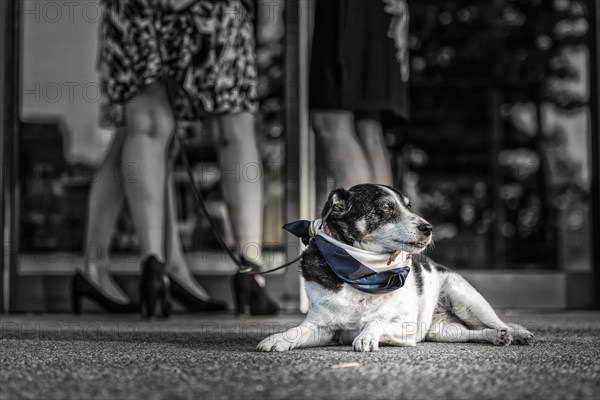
pixel 520 335
pixel 501 337
pixel 275 342
pixel 365 342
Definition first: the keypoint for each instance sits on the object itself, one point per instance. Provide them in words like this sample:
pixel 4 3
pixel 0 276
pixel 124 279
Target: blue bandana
pixel 369 272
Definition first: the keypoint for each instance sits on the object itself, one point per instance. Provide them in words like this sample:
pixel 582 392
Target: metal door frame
pixel 10 46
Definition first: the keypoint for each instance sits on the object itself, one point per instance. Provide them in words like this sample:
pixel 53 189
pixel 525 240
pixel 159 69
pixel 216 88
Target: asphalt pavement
pixel 214 357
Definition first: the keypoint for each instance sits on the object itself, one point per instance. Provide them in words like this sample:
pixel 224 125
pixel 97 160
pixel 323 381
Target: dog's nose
pixel 425 228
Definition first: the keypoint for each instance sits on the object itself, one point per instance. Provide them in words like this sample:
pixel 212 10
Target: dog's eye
pixel 383 209
pixel 409 206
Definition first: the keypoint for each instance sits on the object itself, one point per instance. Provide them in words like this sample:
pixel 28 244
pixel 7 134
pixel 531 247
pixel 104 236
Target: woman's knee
pixel 332 125
pixel 370 134
pixel 235 128
pixel 152 123
pixel 150 114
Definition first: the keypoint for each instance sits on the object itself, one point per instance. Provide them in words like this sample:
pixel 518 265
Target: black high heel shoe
pixel 249 294
pixel 193 303
pixel 81 287
pixel 155 294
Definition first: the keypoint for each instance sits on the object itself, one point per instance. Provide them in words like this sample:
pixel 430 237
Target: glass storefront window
pixel 497 154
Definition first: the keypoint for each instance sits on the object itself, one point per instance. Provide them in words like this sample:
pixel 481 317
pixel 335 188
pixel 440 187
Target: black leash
pixel 201 204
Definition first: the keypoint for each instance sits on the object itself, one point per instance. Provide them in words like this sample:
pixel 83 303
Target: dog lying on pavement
pixel 368 282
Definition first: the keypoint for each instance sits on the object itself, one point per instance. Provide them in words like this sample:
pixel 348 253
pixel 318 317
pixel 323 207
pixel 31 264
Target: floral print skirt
pixel 206 49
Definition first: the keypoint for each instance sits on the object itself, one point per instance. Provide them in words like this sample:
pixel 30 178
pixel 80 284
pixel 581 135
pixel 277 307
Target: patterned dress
pixel 207 49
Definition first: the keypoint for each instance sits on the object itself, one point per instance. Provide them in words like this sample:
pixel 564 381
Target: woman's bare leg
pixel 150 124
pixel 373 143
pixel 105 203
pixel 177 265
pixel 324 181
pixel 344 155
pixel 242 179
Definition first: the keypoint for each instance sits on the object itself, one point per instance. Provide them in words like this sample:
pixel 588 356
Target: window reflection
pixel 497 153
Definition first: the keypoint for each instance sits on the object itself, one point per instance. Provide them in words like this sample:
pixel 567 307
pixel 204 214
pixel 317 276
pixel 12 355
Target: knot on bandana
pixel 303 229
pixel 367 271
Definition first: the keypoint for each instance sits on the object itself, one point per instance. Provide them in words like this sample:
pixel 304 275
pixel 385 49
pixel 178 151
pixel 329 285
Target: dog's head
pixel 375 218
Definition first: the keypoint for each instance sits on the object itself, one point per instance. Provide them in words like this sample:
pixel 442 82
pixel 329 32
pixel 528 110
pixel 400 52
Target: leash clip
pixel 393 256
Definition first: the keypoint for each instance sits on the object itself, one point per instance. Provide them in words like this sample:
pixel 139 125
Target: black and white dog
pixel 356 268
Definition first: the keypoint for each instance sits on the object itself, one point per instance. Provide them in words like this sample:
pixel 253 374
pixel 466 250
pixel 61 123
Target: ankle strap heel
pixel 155 291
pixel 250 296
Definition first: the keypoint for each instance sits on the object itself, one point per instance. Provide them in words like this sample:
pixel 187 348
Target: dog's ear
pixel 336 205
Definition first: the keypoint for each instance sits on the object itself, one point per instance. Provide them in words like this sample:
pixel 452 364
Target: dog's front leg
pixel 394 333
pixel 368 338
pixel 307 334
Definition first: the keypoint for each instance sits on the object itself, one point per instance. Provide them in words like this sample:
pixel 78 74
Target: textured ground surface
pixel 214 357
